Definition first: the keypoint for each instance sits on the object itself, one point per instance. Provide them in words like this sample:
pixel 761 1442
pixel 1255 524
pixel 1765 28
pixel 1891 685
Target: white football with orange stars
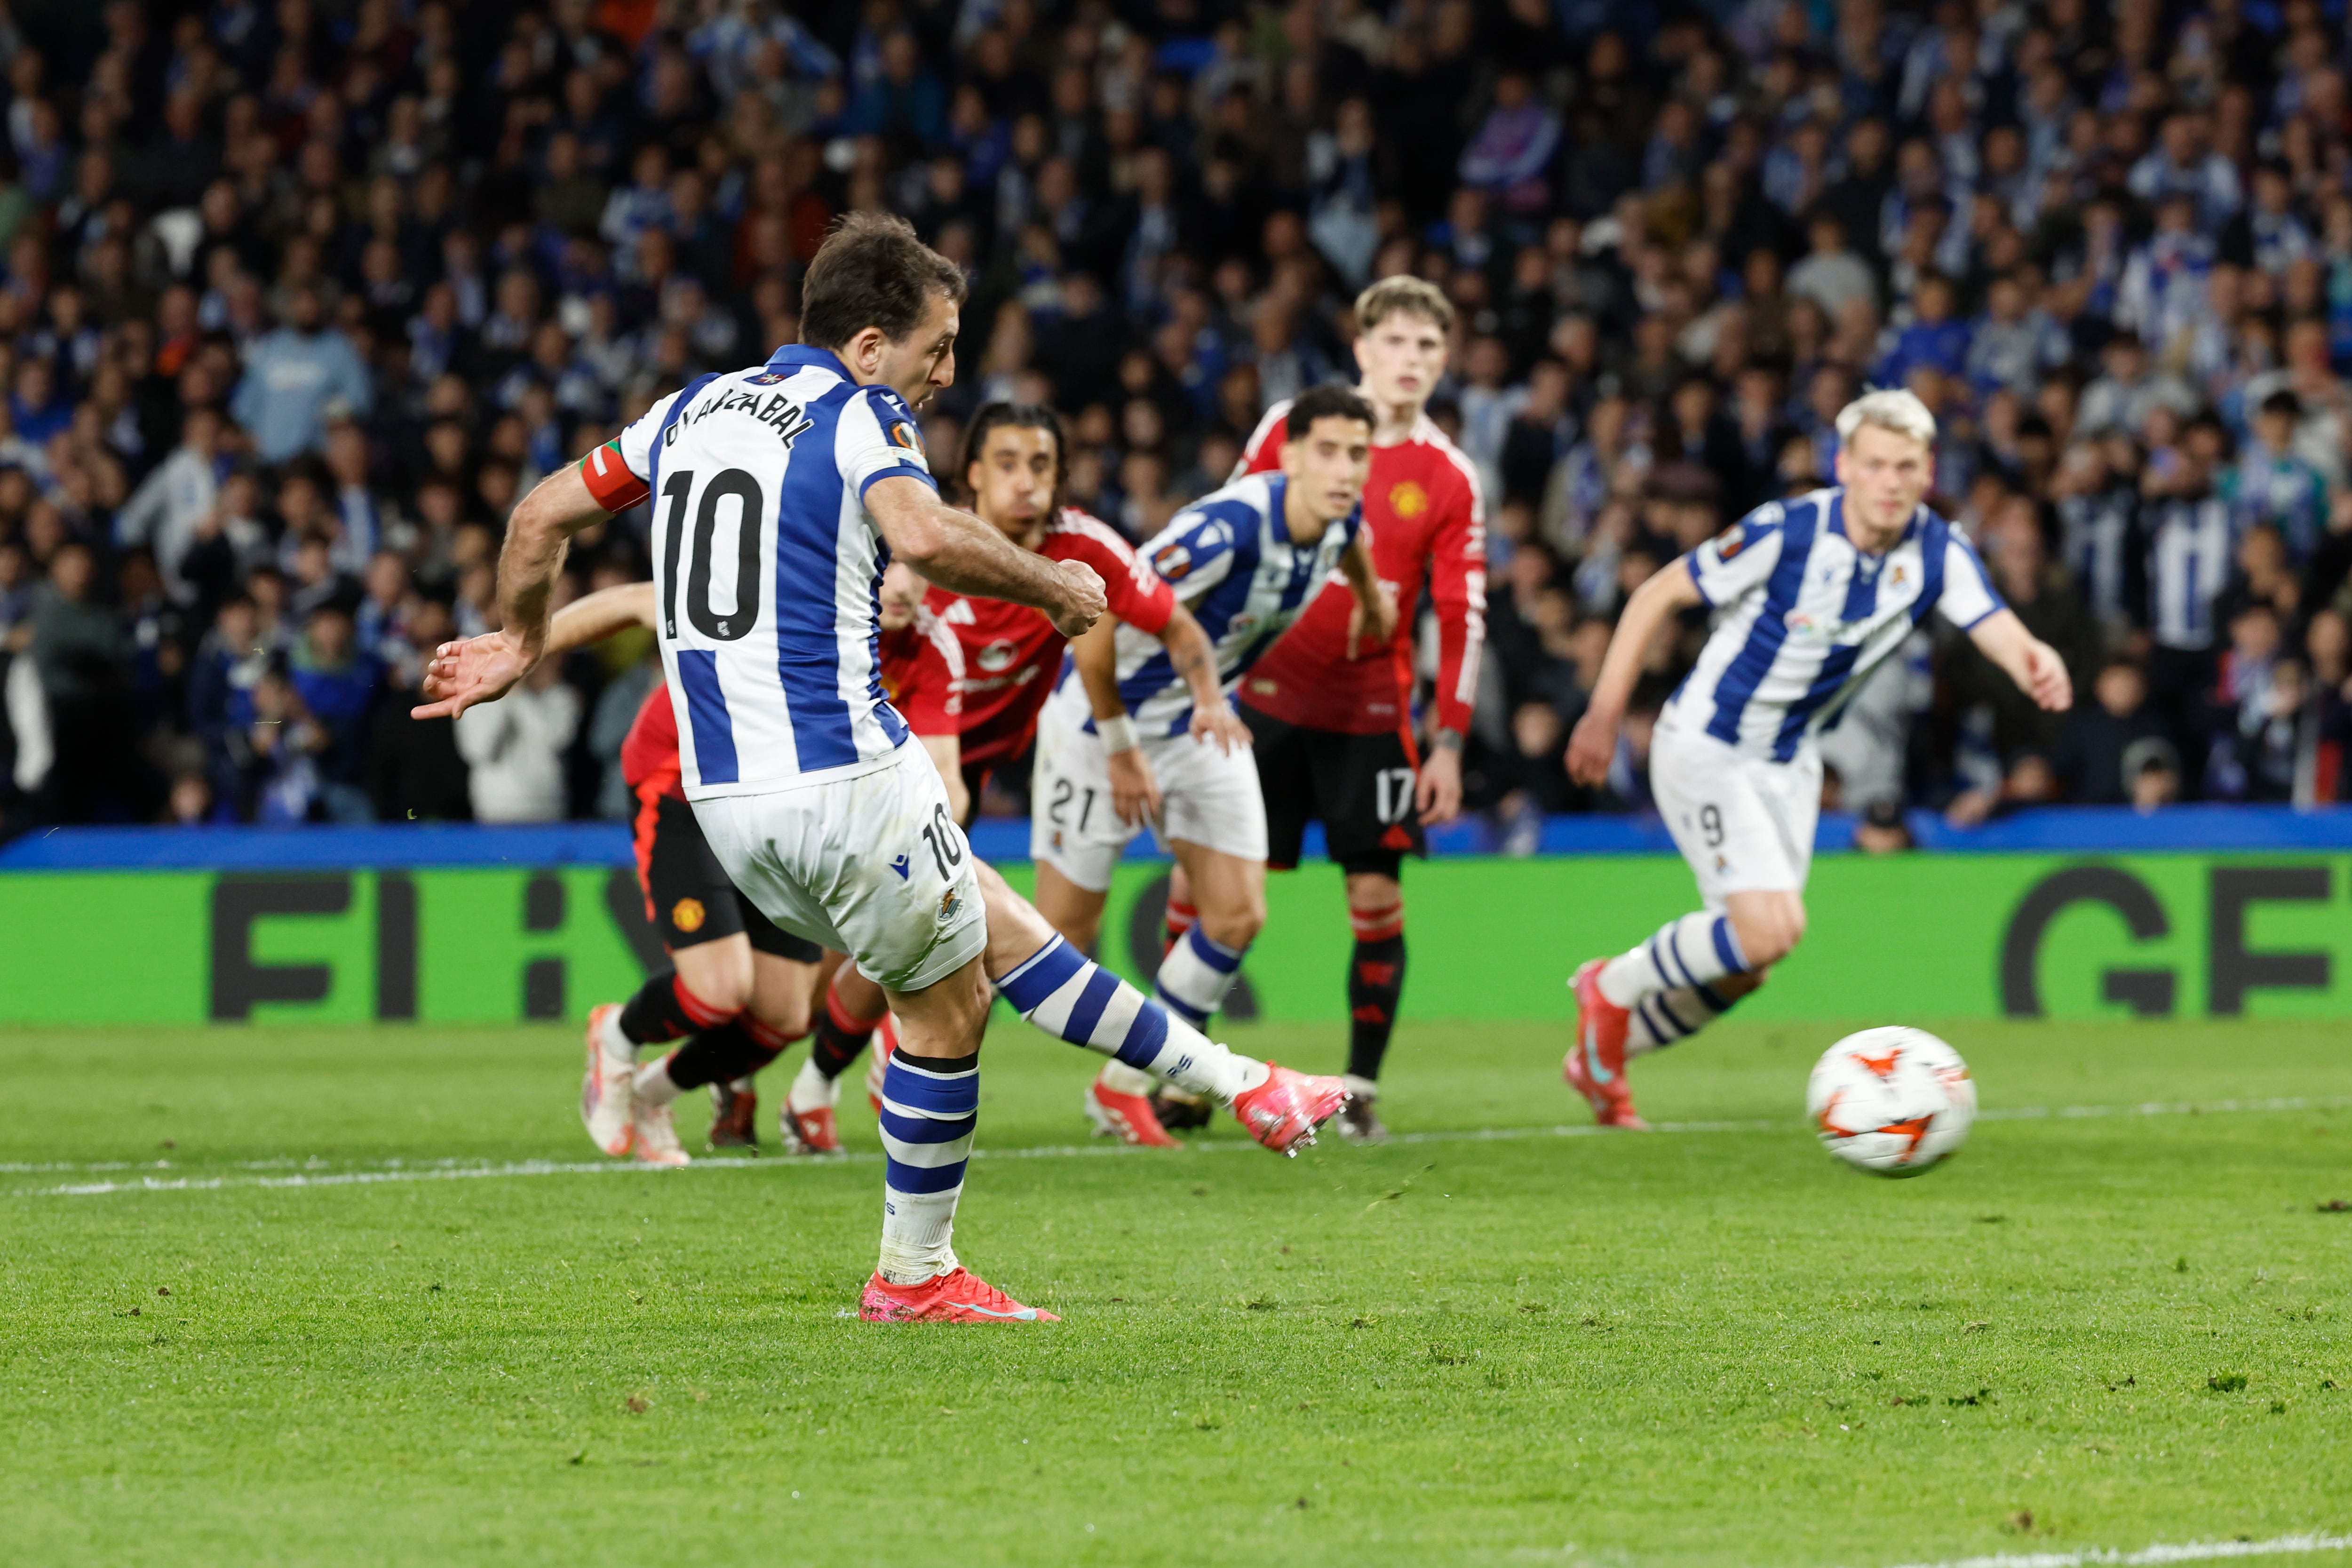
pixel 1895 1101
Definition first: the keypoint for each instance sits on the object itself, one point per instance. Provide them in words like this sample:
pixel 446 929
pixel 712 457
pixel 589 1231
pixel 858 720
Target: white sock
pixel 1664 1016
pixel 1195 976
pixel 618 1048
pixel 1120 1078
pixel 1068 995
pixel 812 1090
pixel 1696 950
pixel 1363 1089
pixel 654 1086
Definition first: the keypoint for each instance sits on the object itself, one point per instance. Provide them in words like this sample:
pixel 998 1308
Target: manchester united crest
pixel 686 914
pixel 1408 499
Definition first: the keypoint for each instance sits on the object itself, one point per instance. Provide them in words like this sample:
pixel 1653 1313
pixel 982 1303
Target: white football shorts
pixel 1745 824
pixel 1209 798
pixel 873 865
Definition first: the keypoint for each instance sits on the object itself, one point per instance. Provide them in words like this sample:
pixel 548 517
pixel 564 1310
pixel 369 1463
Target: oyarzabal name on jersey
pixel 786 417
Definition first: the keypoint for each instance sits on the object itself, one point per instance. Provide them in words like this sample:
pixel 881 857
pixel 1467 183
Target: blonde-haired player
pixel 1810 595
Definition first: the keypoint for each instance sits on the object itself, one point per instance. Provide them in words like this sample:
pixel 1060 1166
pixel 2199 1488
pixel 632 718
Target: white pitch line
pixel 319 1174
pixel 2187 1552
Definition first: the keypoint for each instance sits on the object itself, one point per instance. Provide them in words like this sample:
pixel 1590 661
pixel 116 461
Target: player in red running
pixel 1333 719
pixel 969 676
pixel 740 985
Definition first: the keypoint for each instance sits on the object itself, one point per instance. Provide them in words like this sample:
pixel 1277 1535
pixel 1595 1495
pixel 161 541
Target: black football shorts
pixel 688 898
pixel 1361 787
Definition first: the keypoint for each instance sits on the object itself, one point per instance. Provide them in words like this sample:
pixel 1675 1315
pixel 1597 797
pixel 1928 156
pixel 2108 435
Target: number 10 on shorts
pixel 946 842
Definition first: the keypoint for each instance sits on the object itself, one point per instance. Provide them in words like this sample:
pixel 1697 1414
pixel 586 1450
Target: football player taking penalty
pixel 1126 740
pixel 780 493
pixel 1811 595
pixel 970 675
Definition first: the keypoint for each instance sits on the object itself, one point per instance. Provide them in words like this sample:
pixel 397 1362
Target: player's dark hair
pixel 1332 400
pixel 1003 415
pixel 872 271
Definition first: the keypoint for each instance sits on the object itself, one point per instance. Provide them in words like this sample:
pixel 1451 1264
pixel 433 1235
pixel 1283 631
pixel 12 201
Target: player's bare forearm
pixel 1191 658
pixel 1372 624
pixel 960 553
pixel 599 615
pixel 1190 655
pixel 1356 563
pixel 1667 593
pixel 538 533
pixel 2025 659
pixel 1593 744
pixel 461 675
pixel 1095 655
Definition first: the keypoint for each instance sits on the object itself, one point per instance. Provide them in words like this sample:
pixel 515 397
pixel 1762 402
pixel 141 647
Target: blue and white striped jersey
pixel 1806 615
pixel 2192 545
pixel 1231 560
pixel 767 567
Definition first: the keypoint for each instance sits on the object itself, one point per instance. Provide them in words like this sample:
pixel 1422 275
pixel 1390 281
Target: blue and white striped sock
pixel 929 1106
pixel 1696 950
pixel 1070 996
pixel 1195 976
pixel 1664 1016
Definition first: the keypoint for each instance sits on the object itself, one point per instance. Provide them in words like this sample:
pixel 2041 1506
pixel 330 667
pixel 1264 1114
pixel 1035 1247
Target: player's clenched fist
pixel 478 670
pixel 1083 603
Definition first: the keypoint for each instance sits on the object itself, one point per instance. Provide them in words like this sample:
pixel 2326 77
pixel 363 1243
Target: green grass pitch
pixel 1711 1345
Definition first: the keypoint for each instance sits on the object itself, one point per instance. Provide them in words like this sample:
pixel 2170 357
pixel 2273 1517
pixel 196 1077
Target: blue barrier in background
pixel 2080 829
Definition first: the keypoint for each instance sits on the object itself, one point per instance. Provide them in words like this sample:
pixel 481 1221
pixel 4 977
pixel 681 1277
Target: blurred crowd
pixel 297 297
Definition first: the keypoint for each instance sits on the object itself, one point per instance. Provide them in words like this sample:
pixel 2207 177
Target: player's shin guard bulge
pixel 930 1108
pixel 1195 976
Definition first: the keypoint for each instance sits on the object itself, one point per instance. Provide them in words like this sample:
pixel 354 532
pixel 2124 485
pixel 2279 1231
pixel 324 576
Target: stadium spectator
pixel 298 330
pixel 514 749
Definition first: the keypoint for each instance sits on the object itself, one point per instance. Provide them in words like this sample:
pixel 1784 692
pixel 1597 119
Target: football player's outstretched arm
pixel 1373 620
pixel 482 668
pixel 600 615
pixel 1134 792
pixel 1595 744
pixel 1190 654
pixel 2033 664
pixel 1457 592
pixel 964 555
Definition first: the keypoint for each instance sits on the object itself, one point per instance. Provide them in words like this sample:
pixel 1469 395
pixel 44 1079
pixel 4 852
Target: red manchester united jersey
pixel 649 751
pixel 1006 655
pixel 922 671
pixel 1427 520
